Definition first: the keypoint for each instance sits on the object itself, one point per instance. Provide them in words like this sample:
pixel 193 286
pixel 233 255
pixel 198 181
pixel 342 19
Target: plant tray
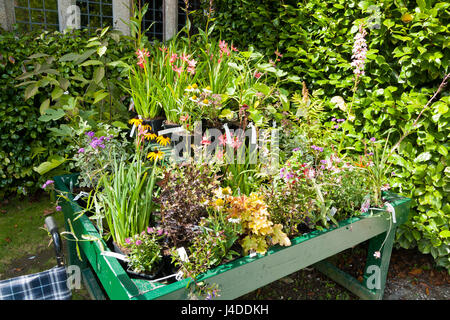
pixel 245 274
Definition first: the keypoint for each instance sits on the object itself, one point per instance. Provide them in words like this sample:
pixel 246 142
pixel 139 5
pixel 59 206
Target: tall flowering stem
pixel 358 63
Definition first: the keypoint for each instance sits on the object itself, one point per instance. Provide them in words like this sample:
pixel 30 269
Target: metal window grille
pixel 95 14
pixel 154 15
pixel 36 14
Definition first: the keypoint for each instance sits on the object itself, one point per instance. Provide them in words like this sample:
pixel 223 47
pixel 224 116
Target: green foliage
pixel 408 55
pixel 50 80
pixel 144 251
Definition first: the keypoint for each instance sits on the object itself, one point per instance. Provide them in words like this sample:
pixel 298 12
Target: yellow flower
pixel 147 127
pixel 163 141
pixel 158 155
pixel 194 86
pixel 150 136
pixel 226 191
pixel 205 101
pixel 219 202
pixel 136 122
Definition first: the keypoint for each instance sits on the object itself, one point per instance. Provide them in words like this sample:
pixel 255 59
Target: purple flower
pixel 370 154
pixel 336 126
pixel 340 120
pixel 334 119
pixel 128 240
pixel 295 149
pixel 47 183
pixel 149 230
pixel 81 150
pixel 90 134
pixel 160 232
pixel 138 242
pixel 289 176
pixel 97 143
pixel 58 208
pixel 372 139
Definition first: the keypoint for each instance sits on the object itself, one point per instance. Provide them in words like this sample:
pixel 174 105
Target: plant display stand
pixel 104 276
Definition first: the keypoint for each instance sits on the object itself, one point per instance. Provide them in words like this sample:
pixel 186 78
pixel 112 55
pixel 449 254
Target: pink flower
pixel 205 141
pixel 184 118
pixel 58 208
pixel 149 230
pixel 233 48
pixel 173 58
pixel 236 143
pixel 178 70
pixel 377 254
pixel 257 74
pixel 220 154
pixel 223 48
pixel 278 54
pixel 142 54
pixel 128 240
pixel 223 139
pixel 365 206
pixel 138 242
pixel 359 52
pixel 47 183
pixel 185 57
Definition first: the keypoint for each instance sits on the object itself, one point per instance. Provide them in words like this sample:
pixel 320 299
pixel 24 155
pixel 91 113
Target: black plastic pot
pixel 156 124
pixel 148 276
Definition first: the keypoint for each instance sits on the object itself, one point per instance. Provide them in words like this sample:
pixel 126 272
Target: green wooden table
pixel 106 278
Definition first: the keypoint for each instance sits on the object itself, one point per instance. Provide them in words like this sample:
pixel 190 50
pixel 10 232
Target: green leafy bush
pixel 39 82
pixel 408 55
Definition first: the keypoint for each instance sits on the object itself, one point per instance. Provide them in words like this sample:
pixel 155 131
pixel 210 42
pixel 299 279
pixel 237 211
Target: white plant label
pixel 183 255
pixel 391 209
pixel 115 255
pixel 253 141
pixel 81 194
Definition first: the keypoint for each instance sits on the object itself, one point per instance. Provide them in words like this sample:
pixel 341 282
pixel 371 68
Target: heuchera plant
pixel 251 212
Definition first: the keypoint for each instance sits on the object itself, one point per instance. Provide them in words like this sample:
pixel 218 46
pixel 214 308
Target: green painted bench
pixel 106 278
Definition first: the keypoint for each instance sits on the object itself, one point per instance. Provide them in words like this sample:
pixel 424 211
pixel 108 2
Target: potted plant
pixel 144 253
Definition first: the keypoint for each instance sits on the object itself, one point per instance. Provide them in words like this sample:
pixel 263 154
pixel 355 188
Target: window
pixel 95 14
pixel 36 14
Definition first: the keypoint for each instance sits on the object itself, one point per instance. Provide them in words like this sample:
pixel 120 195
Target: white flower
pixel 231 220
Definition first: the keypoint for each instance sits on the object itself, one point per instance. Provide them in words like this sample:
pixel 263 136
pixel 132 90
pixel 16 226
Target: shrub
pixel 26 142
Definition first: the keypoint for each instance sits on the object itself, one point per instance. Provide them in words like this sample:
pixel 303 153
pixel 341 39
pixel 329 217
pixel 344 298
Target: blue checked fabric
pixel 47 285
